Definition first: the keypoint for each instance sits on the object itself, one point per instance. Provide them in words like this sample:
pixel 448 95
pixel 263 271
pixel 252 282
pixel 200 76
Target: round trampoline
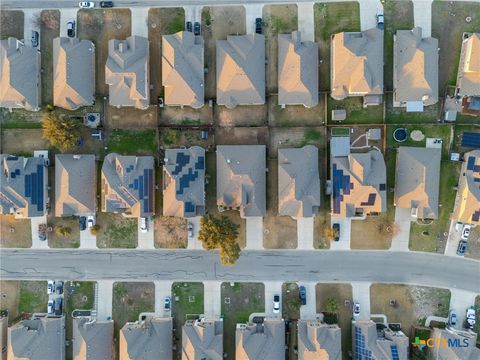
pixel 400 134
pixel 91 117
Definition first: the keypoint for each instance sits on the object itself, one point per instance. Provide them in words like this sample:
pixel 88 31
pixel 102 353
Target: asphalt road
pixel 272 265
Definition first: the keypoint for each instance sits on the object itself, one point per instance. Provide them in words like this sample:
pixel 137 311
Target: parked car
pixel 51 306
pixel 189 26
pixel 50 287
pixel 336 231
pixel 106 4
pixel 302 293
pixel 90 221
pixel 466 231
pixel 276 304
pixel 190 230
pixel 196 28
pixel 470 319
pixel 452 318
pixel 82 221
pixel 86 4
pixel 143 225
pixel 380 21
pixel 71 28
pixel 166 303
pixel 35 38
pixel 59 287
pixel 258 25
pixel 462 247
pixel 356 309
pixel 58 306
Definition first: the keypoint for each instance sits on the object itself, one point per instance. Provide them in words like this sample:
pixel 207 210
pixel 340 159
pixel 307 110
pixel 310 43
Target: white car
pixel 143 225
pixel 276 304
pixel 90 221
pixel 50 287
pixel 86 4
pixel 190 230
pixel 51 306
pixel 466 231
pixel 356 309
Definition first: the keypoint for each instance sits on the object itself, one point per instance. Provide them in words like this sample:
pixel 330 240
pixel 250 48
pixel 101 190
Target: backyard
pixel 356 113
pixel 131 142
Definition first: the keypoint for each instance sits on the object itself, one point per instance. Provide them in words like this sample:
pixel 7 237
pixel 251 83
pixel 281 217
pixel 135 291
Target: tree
pixel 62 133
pixel 332 306
pixel 63 231
pixel 220 233
pixel 94 229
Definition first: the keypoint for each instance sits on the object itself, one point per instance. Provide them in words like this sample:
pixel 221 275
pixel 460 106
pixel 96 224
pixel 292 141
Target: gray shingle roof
pixel 38 339
pixel 92 340
pixel 148 340
pixel 127 72
pixel 241 178
pixel 468 80
pixel 23 186
pixel 75 185
pixel 298 182
pixel 202 339
pixel 184 182
pixel 469 352
pixel 297 70
pixel 417 180
pixel 415 67
pixel 128 185
pixel 241 70
pixel 19 75
pixel 182 69
pixel 314 338
pixel 260 341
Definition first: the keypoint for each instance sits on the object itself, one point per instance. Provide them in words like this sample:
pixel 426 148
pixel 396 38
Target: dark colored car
pixel 380 21
pixel 71 28
pixel 302 293
pixel 106 4
pixel 58 306
pixel 35 38
pixel 189 26
pixel 196 28
pixel 258 25
pixel 462 247
pixel 59 287
pixel 336 230
pixel 83 223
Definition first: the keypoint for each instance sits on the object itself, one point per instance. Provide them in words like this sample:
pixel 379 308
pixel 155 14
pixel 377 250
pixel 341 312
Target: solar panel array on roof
pixel 394 350
pixel 370 201
pixel 382 187
pixel 189 207
pixel 361 352
pixel 34 187
pixel 470 162
pixel 476 216
pixel 181 161
pixel 341 185
pixel 471 140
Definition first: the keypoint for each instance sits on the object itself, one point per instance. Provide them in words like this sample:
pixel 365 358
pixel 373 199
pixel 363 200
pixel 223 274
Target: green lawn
pixel 130 142
pixel 340 131
pixel 399 115
pixel 356 113
pixel 177 23
pixel 116 231
pixel 32 297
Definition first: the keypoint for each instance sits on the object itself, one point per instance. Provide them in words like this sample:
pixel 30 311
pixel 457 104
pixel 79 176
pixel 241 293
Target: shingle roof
pixel 38 339
pixel 297 70
pixel 75 185
pixel 128 184
pixel 202 339
pixel 127 72
pixel 468 80
pixel 415 69
pixel 149 340
pixel 357 63
pixel 74 72
pixel 23 186
pixel 183 69
pixel 298 182
pixel 260 341
pixel 19 75
pixel 92 339
pixel 241 178
pixel 318 341
pixel 241 70
pixel 467 206
pixel 464 352
pixel 417 180
pixel 184 182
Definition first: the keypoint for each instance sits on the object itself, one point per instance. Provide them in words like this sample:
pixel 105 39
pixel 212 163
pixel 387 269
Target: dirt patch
pixel 116 231
pixel 56 239
pixel 297 137
pixel 49 29
pixel 290 301
pixel 131 118
pixel 255 115
pixel 295 115
pixel 174 115
pixel 174 138
pixel 11 24
pixel 170 232
pixel 322 223
pixel 375 232
pixel 241 136
pixel 22 142
pixel 473 250
pixel 15 233
pixel 100 26
pixel 9 298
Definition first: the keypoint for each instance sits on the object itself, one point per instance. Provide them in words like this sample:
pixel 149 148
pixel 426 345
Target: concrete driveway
pixel 212 306
pixel 460 301
pixel 403 221
pixel 193 13
pixel 194 243
pixel 252 11
pixel 104 299
pixel 67 14
pixel 453 239
pixel 31 23
pixel 139 21
pixel 87 240
pixel 345 232
pixel 254 233
pixel 309 311
pixel 305 233
pixel 162 290
pixel 361 294
pixel 272 288
pixel 368 11
pixel 36 242
pixel 306 24
pixel 422 16
pixel 146 240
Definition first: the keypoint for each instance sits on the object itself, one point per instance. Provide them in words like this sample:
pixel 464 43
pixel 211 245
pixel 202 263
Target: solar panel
pixel 200 165
pixel 470 163
pixel 471 140
pixel 189 207
pixel 40 188
pixel 135 184
pixel 382 187
pixel 476 215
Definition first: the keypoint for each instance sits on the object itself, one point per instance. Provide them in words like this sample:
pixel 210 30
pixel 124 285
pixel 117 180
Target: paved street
pixel 422 16
pixel 254 233
pixel 162 290
pixel 212 306
pixel 403 221
pixel 361 294
pixel 305 233
pixel 415 268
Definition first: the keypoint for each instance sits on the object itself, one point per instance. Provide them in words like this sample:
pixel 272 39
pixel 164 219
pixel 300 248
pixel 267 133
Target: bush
pixel 94 229
pixel 63 231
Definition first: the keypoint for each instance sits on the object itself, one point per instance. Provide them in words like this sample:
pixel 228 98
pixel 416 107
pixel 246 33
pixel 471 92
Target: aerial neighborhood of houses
pixel 132 134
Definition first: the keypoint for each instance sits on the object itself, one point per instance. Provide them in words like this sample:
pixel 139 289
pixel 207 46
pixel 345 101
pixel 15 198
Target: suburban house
pixel 241 70
pixel 184 182
pixel 318 341
pixel 357 66
pixel 417 180
pixel 465 350
pixel 40 338
pixel 358 183
pixel 467 205
pixel 264 341
pixel 202 339
pixel 19 75
pixel 128 184
pixel 92 339
pixel 370 343
pixel 183 69
pixel 23 186
pixel 468 78
pixel 241 179
pixel 297 71
pixel 73 73
pixel 298 182
pixel 3 335
pixel 150 339
pixel 75 185
pixel 127 72
pixel 415 70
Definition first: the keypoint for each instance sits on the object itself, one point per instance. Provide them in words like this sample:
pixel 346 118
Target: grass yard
pixel 9 299
pixel 116 231
pixel 174 138
pixel 11 24
pixel 32 297
pixel 375 232
pixel 20 119
pixel 22 142
pixel 356 113
pixel 448 25
pixel 295 115
pixel 290 301
pixel 332 18
pixel 399 115
pixel 56 239
pixel 49 29
pixel 130 142
pixel 15 233
pixel 245 299
pixel 170 232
